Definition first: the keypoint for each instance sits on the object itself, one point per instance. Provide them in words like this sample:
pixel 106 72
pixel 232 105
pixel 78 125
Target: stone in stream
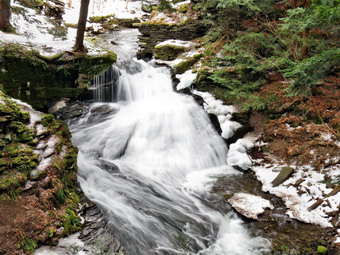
pixel 284 174
pixel 249 205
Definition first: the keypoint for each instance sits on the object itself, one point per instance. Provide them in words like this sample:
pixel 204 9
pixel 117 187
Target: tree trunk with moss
pixel 5 14
pixel 84 8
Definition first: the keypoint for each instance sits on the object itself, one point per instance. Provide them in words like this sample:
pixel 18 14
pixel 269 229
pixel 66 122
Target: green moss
pixel 12 150
pixel 71 25
pixel 321 249
pixel 47 120
pixel 101 19
pixel 168 51
pixel 4 163
pixel 60 196
pixel 184 65
pixel 71 222
pixel 3 143
pixel 183 8
pixel 18 127
pixel 51 232
pixel 11 179
pixel 24 116
pixel 71 158
pixel 29 244
pixel 26 137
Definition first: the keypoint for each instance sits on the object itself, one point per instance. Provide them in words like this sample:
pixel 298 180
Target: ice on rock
pixel 186 79
pixel 237 155
pixel 229 127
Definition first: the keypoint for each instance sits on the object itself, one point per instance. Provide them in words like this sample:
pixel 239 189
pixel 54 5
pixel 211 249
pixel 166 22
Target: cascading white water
pixel 148 162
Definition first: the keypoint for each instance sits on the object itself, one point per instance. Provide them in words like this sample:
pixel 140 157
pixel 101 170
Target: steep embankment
pixel 37 178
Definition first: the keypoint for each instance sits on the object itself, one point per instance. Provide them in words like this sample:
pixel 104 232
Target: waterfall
pixel 148 159
pixel 104 86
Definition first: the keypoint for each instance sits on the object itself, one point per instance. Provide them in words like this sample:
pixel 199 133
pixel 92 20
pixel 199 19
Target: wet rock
pixel 333 252
pixel 66 109
pixel 102 110
pixel 214 121
pixel 199 100
pixel 109 166
pixel 239 133
pixel 241 117
pixel 169 50
pixel 284 174
pixel 96 230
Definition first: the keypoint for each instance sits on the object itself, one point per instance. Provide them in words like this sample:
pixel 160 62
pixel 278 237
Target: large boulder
pixel 38 172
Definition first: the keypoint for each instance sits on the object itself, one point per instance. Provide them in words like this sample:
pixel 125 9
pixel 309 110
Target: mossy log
pixel 284 174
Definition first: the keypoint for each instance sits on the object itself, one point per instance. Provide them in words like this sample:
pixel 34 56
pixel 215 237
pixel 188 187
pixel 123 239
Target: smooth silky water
pixel 149 160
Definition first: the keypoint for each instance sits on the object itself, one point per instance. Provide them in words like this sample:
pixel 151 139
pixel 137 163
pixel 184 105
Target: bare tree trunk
pixel 5 15
pixel 84 8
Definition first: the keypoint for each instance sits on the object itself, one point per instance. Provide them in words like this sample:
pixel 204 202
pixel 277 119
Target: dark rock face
pixel 214 121
pixel 239 133
pixel 38 80
pixel 153 33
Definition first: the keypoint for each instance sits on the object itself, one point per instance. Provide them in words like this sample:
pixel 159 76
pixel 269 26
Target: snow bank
pixel 299 198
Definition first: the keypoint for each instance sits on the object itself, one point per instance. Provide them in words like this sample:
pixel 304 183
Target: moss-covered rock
pixel 153 33
pixel 38 79
pixel 184 65
pixel 168 51
pixel 102 19
pixel 11 180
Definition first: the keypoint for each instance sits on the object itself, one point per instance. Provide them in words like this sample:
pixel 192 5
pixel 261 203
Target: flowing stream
pixel 148 158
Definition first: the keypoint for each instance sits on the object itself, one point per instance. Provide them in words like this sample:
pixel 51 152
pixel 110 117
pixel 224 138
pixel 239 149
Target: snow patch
pixel 299 198
pixel 178 43
pixel 64 246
